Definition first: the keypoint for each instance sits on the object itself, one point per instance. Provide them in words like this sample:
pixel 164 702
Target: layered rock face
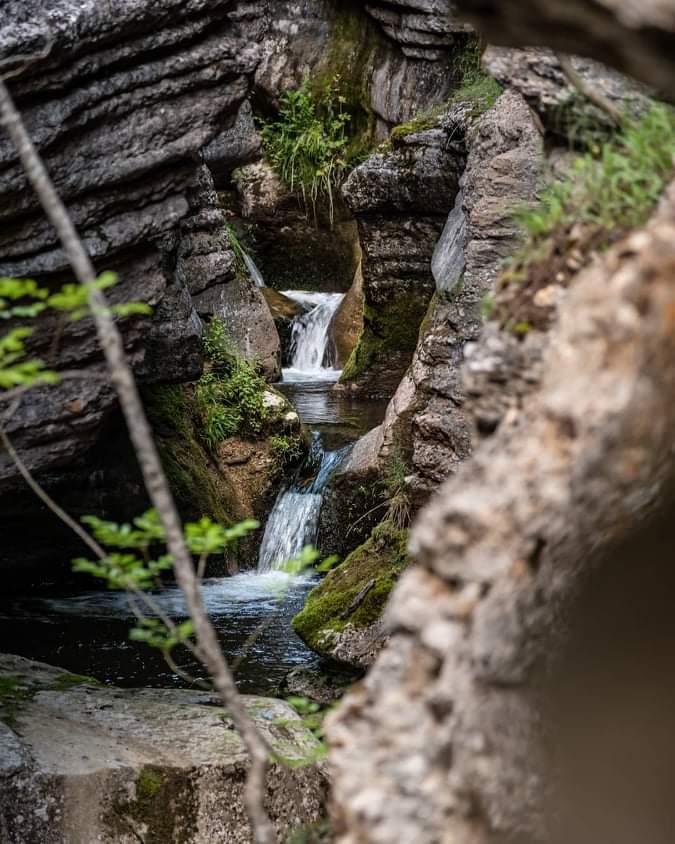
pixel 425 419
pixel 82 763
pixel 128 103
pixel 401 201
pixel 119 109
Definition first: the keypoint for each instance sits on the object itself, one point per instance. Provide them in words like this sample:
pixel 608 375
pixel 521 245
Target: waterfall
pixel 253 271
pixel 310 336
pixel 294 520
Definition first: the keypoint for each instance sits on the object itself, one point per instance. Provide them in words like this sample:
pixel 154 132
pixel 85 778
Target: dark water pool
pixel 87 632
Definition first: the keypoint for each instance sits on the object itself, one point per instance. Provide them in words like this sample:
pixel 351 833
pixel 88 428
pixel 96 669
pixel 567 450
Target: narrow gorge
pixel 397 303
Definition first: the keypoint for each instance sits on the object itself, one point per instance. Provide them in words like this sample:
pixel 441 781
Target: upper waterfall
pixel 311 353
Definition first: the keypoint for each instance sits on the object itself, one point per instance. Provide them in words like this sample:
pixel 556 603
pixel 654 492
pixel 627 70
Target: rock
pixel 565 112
pixel 425 29
pixel 323 683
pixel 352 501
pixel 347 323
pixel 293 250
pixel 92 763
pixel 242 307
pixel 284 310
pixel 426 421
pixel 342 617
pixel 401 200
pixel 581 484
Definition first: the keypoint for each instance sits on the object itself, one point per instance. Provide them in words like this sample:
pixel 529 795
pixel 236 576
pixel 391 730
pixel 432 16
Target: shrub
pixel 614 186
pixel 229 396
pixel 307 145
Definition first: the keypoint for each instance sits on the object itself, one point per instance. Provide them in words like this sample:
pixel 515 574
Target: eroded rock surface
pixel 401 201
pixel 82 763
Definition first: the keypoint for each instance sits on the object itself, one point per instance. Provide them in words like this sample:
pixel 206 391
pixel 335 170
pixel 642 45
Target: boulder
pixel 81 762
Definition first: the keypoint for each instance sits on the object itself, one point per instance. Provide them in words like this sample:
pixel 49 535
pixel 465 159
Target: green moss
pixel 320 832
pixel 164 808
pixel 148 784
pixel 350 56
pixel 381 558
pixel 17 690
pixel 198 486
pixel 392 327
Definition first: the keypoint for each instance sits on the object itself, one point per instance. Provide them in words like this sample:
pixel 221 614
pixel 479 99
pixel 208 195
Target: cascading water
pixel 310 337
pixel 294 520
pixel 253 271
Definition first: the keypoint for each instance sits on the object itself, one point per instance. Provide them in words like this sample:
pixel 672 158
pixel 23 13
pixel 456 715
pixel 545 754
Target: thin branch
pixel 153 475
pixel 88 540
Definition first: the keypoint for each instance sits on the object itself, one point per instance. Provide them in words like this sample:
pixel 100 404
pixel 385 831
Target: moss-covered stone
pixel 330 607
pixel 16 690
pixel 390 331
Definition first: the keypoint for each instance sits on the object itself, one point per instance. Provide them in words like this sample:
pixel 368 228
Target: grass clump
pixel 307 144
pixel 612 188
pixel 229 397
pixel 614 185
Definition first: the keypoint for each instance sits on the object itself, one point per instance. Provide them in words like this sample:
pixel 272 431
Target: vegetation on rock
pixel 610 189
pixel 331 605
pixel 307 144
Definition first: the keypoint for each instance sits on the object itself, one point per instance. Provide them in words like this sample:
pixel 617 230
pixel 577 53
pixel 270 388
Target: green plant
pixel 307 145
pixel 396 486
pixel 24 298
pixel 613 186
pixel 286 449
pixel 229 397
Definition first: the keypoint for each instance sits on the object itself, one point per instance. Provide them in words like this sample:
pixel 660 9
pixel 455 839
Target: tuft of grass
pixel 614 185
pixel 476 89
pixel 229 397
pixel 307 145
pixel 612 188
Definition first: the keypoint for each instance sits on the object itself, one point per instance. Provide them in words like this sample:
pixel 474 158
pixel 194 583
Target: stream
pixel 86 632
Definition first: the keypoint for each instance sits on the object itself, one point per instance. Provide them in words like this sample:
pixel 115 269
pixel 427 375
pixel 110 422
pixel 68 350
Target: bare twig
pixel 585 89
pixel 153 475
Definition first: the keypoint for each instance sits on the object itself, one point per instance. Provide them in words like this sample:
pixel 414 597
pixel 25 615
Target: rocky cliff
pixel 136 107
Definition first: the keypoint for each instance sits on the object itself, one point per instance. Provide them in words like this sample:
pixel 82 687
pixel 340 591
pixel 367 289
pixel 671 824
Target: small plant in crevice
pixel 229 397
pixel 286 450
pixel 307 144
pixel 236 246
pixel 612 188
pixel 398 494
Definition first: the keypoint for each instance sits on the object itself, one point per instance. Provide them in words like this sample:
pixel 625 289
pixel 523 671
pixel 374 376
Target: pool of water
pixel 88 632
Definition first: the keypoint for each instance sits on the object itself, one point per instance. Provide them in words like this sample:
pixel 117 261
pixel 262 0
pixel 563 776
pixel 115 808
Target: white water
pixel 253 271
pixel 294 520
pixel 310 337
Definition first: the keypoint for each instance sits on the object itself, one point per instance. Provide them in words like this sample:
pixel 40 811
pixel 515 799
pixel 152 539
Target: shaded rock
pixel 424 28
pixel 352 502
pixel 323 683
pixel 293 250
pixel 347 323
pixel 91 763
pixel 401 200
pixel 284 311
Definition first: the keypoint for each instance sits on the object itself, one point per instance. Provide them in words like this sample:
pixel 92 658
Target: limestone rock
pixel 347 323
pixel 85 763
pixel 401 200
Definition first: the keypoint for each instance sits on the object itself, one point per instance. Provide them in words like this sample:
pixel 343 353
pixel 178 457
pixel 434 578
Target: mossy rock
pixel 387 343
pixel 333 604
